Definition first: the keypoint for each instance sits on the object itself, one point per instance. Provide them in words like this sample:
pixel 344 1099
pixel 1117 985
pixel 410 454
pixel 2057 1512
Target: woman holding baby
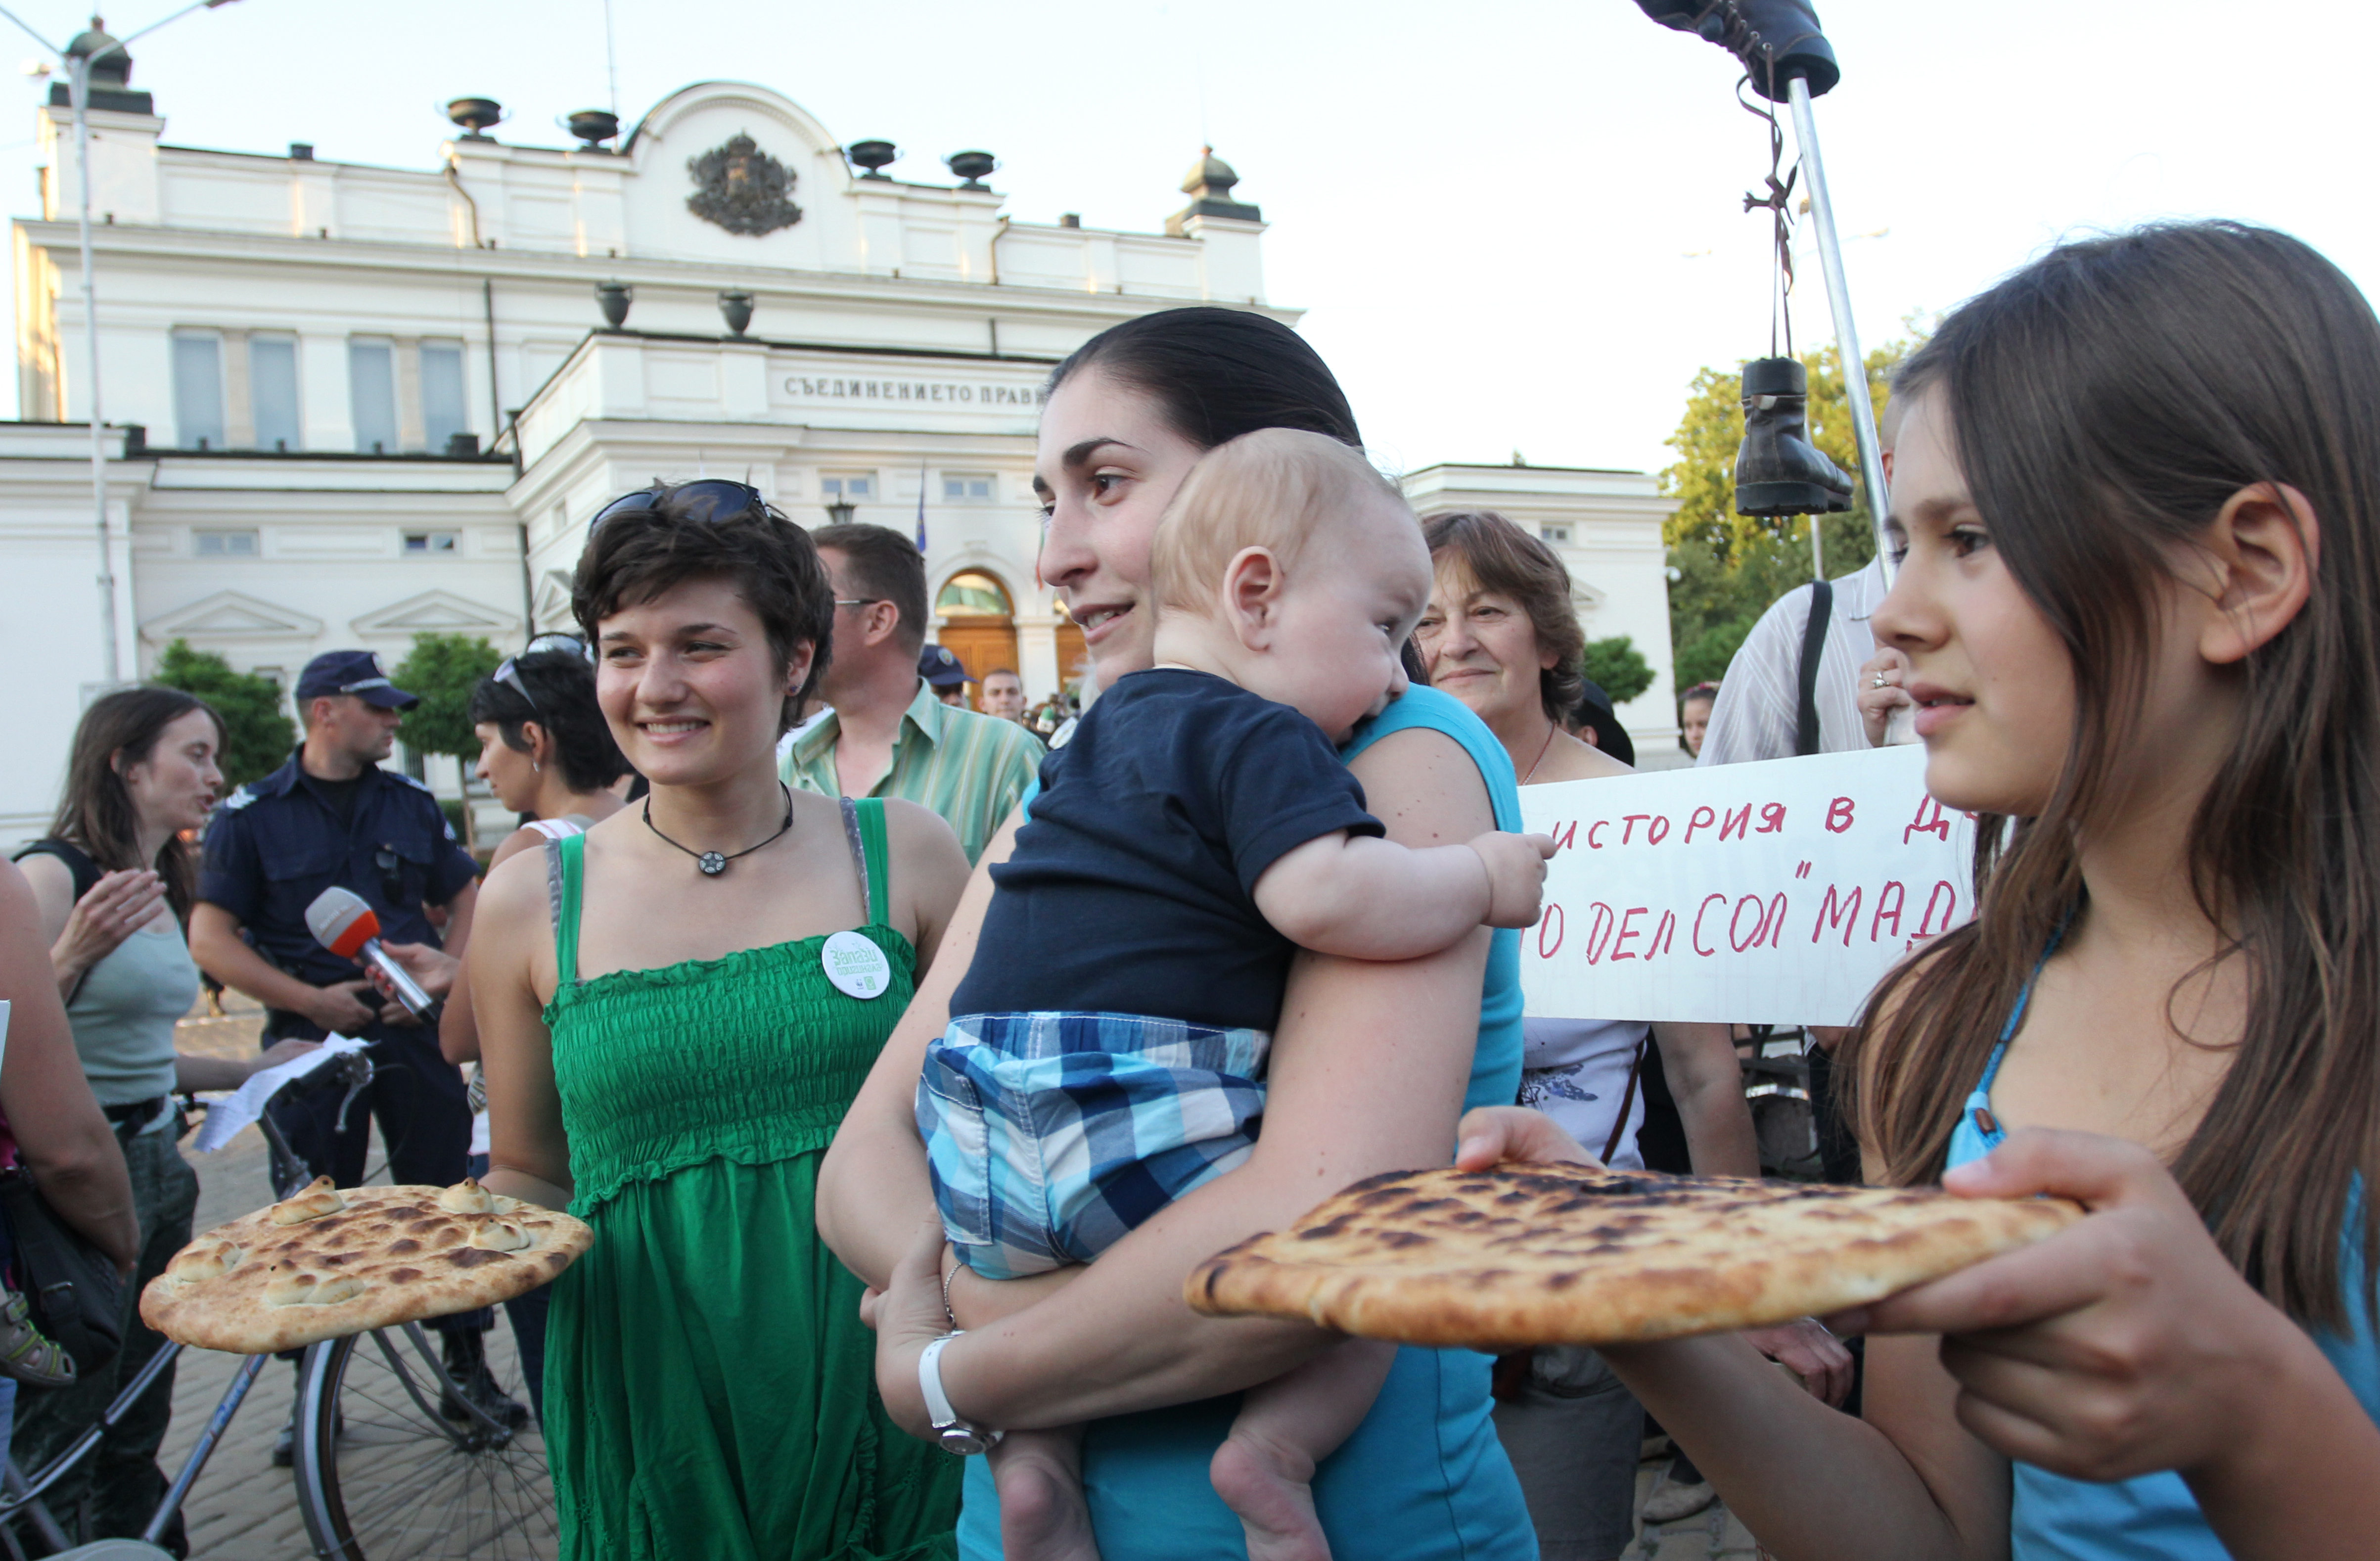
pixel 1372 1060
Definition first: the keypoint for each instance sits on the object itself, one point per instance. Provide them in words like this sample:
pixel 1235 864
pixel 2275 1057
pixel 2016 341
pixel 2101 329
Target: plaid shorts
pixel 1049 1135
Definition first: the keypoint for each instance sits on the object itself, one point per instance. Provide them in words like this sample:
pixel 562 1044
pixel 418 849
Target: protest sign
pixel 1775 892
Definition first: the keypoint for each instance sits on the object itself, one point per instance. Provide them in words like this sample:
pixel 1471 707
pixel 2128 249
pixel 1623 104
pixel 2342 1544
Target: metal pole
pixel 1839 302
pixel 79 94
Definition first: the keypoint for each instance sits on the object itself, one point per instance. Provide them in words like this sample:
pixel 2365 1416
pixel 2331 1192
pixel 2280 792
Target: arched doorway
pixel 978 623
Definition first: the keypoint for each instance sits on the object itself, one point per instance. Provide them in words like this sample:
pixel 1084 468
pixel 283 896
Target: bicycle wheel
pixel 384 1476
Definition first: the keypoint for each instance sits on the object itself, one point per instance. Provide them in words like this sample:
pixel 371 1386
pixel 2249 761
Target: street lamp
pixel 78 64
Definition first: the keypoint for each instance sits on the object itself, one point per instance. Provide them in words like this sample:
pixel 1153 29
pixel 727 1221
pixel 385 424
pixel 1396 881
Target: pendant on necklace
pixel 711 863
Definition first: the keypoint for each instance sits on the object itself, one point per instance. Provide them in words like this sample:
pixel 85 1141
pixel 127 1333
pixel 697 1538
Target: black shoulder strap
pixel 85 871
pixel 1814 646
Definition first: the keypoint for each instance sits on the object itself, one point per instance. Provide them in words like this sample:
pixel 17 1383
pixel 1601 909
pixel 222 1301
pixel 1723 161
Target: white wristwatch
pixel 955 1435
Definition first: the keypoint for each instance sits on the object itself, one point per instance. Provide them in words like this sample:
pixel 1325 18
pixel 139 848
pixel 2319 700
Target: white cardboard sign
pixel 1775 892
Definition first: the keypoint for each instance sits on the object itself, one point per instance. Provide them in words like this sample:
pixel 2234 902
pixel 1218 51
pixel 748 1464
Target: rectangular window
pixel 199 393
pixel 433 544
pixel 442 394
pixel 273 391
pixel 224 544
pixel 371 394
pixel 847 487
pixel 965 485
pixel 1558 535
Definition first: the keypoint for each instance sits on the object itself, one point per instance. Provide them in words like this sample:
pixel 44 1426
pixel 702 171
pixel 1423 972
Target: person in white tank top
pixel 1500 634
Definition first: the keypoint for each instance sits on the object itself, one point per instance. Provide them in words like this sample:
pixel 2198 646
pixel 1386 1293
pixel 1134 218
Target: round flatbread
pixel 1529 1254
pixel 333 1261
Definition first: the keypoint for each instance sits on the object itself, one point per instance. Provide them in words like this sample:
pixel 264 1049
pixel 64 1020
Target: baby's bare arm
pixel 1362 897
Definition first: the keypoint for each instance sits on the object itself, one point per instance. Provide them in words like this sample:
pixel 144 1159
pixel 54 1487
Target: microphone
pixel 343 923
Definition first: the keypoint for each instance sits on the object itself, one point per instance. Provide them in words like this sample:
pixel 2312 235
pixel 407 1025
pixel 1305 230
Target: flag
pixel 921 507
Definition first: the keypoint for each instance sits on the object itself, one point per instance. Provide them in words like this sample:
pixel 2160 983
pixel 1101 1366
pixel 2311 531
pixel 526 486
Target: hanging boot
pixel 1778 471
pixel 1775 40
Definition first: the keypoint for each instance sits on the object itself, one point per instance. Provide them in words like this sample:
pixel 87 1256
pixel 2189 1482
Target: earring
pixel 539 768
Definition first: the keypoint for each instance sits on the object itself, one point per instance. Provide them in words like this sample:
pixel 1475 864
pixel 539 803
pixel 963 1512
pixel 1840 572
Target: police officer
pixel 333 816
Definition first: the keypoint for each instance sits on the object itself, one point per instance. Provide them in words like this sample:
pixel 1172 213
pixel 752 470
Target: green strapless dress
pixel 710 1391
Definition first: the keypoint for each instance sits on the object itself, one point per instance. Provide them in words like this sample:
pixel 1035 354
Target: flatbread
pixel 1529 1254
pixel 333 1261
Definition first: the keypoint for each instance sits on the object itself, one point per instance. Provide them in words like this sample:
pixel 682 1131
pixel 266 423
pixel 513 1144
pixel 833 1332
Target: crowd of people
pixel 903 1065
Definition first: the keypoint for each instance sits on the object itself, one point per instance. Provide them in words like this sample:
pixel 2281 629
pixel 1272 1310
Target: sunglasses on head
pixel 509 673
pixel 710 499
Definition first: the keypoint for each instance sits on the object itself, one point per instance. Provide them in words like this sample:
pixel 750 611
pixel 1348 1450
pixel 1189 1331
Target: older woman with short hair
pixel 1501 635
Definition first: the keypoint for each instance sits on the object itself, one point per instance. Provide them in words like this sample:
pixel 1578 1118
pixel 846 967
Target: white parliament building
pixel 347 404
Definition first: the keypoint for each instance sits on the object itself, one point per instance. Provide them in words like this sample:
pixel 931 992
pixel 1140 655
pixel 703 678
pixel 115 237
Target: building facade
pixel 350 404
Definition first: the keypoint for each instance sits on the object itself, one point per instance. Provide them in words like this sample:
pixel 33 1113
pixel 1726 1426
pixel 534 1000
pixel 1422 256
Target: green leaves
pixel 258 734
pixel 1618 666
pixel 444 669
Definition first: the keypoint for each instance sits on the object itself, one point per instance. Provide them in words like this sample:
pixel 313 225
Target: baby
pixel 1109 1044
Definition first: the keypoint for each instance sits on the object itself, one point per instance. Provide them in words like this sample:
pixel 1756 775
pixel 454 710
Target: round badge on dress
pixel 855 966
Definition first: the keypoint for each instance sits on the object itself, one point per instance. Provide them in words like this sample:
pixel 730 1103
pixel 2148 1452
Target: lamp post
pixel 78 64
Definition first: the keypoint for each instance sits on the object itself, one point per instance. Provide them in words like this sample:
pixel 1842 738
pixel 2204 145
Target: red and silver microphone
pixel 343 923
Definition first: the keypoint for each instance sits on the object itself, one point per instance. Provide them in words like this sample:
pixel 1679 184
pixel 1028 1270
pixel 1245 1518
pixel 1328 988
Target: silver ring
pixel 1879 680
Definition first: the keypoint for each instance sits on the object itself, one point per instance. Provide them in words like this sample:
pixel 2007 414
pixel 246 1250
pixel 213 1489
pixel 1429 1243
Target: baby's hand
pixel 1516 875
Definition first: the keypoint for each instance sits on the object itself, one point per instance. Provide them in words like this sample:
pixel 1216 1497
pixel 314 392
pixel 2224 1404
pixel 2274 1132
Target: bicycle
pixel 394 1461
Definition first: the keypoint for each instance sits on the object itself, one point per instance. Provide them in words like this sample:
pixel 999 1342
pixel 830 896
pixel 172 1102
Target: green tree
pixel 1725 568
pixel 444 669
pixel 258 734
pixel 1619 667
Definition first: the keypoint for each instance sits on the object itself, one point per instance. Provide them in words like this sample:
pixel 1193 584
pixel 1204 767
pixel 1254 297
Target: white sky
pixel 1515 224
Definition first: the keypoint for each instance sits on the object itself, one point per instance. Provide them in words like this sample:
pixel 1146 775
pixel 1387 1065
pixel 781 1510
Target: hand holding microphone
pixel 343 923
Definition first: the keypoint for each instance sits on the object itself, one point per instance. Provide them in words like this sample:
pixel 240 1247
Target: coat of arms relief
pixel 742 189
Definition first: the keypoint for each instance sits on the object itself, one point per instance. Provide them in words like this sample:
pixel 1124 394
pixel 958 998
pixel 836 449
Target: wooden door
pixel 982 645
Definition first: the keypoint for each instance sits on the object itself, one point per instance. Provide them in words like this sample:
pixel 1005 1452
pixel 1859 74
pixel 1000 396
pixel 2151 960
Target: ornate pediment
pixel 439 612
pixel 742 189
pixel 553 610
pixel 230 614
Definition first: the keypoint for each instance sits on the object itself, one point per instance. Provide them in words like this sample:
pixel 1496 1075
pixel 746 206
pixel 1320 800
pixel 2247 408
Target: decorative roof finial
pixel 1209 185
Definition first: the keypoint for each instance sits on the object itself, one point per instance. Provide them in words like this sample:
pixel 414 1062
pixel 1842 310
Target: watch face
pixel 963 1440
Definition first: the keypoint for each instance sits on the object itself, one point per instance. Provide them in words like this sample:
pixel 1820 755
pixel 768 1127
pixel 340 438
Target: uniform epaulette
pixel 423 787
pixel 240 799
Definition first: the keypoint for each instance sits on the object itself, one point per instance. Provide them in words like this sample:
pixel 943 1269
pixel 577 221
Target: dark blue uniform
pixel 274 845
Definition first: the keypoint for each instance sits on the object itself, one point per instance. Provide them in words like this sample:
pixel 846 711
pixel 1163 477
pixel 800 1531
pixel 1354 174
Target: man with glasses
pixel 333 816
pixel 886 733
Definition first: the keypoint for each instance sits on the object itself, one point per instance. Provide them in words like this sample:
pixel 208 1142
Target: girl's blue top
pixel 1423 1478
pixel 2151 1516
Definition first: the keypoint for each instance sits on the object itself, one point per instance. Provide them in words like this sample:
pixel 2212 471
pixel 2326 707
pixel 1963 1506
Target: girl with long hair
pixel 2139 489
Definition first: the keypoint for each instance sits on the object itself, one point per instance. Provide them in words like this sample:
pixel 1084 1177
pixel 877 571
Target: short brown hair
pixel 638 555
pixel 1274 488
pixel 885 566
pixel 1499 556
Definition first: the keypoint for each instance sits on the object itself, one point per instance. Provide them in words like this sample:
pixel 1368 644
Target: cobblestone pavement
pixel 1712 1535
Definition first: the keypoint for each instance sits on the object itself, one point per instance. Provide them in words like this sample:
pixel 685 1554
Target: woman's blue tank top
pixel 1424 1477
pixel 2153 1516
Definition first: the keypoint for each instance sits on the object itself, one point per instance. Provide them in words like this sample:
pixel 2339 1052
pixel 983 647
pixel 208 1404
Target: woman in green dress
pixel 675 1009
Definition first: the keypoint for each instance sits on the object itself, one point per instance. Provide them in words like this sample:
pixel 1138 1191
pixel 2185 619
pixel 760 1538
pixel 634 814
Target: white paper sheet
pixel 1774 893
pixel 237 1110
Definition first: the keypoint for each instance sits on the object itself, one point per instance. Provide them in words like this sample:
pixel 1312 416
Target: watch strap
pixel 930 1382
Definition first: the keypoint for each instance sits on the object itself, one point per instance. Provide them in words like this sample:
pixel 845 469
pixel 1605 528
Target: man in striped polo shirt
pixel 885 733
